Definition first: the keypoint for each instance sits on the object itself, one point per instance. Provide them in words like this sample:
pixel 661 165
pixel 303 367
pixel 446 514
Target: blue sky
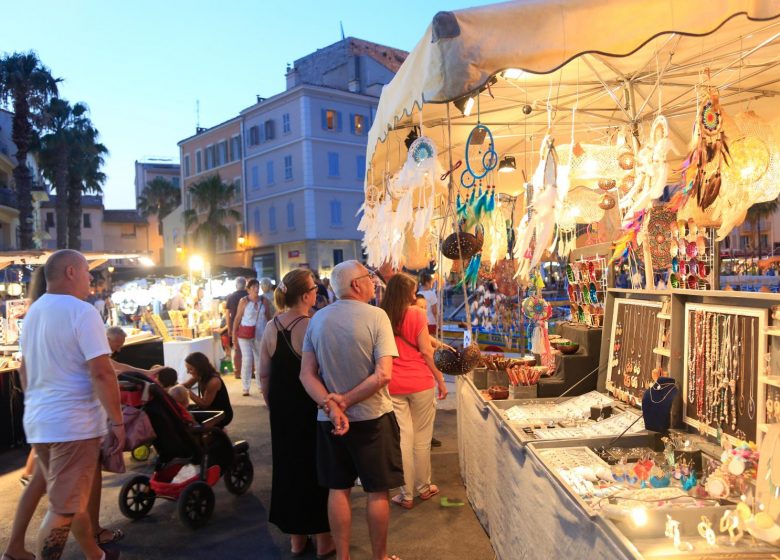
pixel 140 65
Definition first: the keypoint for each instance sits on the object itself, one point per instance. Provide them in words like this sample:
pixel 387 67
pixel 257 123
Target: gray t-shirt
pixel 348 337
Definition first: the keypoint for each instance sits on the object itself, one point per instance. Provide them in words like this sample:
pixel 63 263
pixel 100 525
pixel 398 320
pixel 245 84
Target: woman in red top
pixel 415 377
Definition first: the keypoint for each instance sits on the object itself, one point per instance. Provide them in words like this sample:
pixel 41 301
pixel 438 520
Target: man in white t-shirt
pixel 427 291
pixel 70 388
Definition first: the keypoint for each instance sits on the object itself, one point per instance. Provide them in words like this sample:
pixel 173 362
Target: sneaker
pixel 435 442
pixel 24 480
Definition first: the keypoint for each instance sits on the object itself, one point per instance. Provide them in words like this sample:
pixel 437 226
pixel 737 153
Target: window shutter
pixel 352 123
pixel 338 121
pixel 324 119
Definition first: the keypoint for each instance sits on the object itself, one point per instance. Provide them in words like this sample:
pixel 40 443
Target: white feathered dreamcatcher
pixel 651 170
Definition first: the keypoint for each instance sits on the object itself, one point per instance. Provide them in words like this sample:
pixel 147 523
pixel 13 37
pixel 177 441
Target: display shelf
pixel 773 380
pixel 666 316
pixel 663 352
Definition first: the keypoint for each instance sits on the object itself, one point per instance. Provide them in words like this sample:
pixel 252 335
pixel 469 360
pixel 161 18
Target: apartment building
pixel 304 158
pixel 211 151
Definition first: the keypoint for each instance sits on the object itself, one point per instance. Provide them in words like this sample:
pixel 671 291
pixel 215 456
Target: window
pixel 237 184
pixel 338 256
pixel 49 220
pixel 358 124
pixel 744 242
pixel 335 213
pixel 254 136
pixel 222 153
pixel 288 174
pixel 87 221
pixel 198 162
pixel 727 242
pixel 290 215
pixel 187 165
pixel 331 120
pixel 127 231
pixel 268 130
pixel 235 148
pixel 256 220
pixel 333 164
pixel 255 177
pixel 361 167
pixel 269 172
pixel 209 157
pixel 763 241
pixel 272 218
pixel 175 182
pixel 286 123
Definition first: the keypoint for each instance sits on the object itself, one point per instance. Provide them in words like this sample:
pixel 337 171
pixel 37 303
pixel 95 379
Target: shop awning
pixel 596 65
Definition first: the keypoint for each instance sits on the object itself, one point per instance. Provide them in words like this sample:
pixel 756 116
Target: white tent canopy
pixel 583 68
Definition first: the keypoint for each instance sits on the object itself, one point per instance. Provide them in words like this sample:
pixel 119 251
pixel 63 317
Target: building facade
pixel 149 168
pixel 304 158
pixel 214 151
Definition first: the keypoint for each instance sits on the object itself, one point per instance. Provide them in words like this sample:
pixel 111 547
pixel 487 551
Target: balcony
pixel 8 198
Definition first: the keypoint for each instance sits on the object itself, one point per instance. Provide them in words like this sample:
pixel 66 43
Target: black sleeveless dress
pixel 221 401
pixel 299 505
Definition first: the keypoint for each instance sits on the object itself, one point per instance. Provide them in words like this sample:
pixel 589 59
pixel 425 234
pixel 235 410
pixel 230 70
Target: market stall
pixel 514 136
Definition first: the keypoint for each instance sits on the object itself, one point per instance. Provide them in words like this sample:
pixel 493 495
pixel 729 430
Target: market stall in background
pixel 528 154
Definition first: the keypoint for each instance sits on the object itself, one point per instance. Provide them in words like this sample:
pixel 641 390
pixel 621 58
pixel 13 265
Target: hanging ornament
pixel 607 184
pixel 626 184
pixel 607 202
pixel 626 160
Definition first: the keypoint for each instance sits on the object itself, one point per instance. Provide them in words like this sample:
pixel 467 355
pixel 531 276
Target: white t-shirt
pixel 431 300
pixel 61 334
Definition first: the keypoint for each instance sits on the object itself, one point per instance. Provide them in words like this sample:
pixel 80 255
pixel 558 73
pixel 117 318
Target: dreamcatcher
pixel 709 146
pixel 652 171
pixel 541 219
pixel 538 311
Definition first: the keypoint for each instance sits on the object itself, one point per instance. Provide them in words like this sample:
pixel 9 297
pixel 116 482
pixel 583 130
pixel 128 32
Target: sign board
pixel 14 311
pixel 293 254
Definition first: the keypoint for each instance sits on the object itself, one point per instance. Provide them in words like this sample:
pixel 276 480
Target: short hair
pixel 266 284
pixel 240 283
pixel 116 331
pixel 54 269
pixel 419 296
pixel 341 277
pixel 426 278
pixel 167 377
pixel 252 283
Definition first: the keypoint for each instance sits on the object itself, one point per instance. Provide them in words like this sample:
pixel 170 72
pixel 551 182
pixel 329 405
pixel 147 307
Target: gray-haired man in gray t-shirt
pixel 347 362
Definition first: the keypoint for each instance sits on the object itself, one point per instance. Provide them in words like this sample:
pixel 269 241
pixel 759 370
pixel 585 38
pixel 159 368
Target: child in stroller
pixel 179 442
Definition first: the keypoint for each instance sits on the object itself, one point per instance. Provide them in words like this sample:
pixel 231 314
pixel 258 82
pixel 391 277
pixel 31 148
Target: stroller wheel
pixel 239 476
pixel 136 497
pixel 141 453
pixel 196 504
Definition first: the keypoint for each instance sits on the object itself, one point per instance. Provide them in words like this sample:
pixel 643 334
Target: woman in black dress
pixel 212 393
pixel 299 505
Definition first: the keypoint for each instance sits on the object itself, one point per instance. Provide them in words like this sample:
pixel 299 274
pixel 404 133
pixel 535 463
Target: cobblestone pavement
pixel 239 529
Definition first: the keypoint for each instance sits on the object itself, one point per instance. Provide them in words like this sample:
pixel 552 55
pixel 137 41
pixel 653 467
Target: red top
pixel 410 372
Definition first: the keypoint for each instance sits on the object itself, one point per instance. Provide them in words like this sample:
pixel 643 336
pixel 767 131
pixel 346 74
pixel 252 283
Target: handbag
pixel 246 331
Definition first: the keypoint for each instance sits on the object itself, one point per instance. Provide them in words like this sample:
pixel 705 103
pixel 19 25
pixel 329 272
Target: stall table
pixel 176 351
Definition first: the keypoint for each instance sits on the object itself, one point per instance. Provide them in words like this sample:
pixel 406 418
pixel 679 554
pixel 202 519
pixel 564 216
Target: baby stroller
pixel 180 442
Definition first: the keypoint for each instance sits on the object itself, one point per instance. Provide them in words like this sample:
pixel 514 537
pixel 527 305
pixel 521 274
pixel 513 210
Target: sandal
pixel 116 536
pixel 399 501
pixel 430 493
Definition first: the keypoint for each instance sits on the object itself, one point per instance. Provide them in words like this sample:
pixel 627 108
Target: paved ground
pixel 239 527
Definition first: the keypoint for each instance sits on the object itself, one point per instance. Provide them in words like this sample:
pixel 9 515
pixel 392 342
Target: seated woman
pixel 212 393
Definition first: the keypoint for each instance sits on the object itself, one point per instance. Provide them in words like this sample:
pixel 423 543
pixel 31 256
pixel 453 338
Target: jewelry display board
pixel 721 363
pixel 634 335
pixel 587 289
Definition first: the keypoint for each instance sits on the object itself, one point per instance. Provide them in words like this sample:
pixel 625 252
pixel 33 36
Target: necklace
pixel 751 405
pixel 740 367
pixel 661 387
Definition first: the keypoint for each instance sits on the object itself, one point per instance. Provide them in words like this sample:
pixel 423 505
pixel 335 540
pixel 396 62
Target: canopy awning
pixel 578 66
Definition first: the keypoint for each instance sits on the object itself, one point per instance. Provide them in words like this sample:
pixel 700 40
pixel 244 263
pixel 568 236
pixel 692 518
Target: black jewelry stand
pixel 658 404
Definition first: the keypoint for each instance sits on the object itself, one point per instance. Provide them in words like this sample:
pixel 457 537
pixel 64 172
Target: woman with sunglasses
pixel 415 377
pixel 299 505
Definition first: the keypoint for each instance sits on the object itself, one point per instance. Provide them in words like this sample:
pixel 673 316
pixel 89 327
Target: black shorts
pixel 371 450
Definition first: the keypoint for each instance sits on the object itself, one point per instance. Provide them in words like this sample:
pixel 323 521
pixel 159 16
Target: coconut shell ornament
pixel 447 360
pixel 460 245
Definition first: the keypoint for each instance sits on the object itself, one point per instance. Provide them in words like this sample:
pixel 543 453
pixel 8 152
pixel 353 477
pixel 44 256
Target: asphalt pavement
pixel 239 527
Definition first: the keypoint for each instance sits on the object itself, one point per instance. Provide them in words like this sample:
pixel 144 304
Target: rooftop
pixel 123 216
pixel 87 201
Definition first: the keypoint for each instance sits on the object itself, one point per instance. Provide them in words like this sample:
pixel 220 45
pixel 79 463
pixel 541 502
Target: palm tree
pixel 84 175
pixel 755 214
pixel 61 119
pixel 212 197
pixel 159 198
pixel 28 85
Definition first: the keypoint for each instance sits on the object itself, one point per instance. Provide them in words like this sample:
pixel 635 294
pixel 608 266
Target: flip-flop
pixel 448 503
pixel 399 501
pixel 116 536
pixel 432 491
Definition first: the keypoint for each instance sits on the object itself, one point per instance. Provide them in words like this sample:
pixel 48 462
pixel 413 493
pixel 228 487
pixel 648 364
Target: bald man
pixel 70 391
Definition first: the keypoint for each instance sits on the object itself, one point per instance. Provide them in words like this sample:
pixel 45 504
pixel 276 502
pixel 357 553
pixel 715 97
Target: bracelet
pixel 114 424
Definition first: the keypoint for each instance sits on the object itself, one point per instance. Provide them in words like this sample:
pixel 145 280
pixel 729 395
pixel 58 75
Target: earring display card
pixel 721 365
pixel 634 334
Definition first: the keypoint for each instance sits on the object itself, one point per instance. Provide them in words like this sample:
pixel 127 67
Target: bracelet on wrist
pixel 115 424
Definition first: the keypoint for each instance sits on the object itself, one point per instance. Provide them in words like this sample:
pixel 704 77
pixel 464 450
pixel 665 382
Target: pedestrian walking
pixel 70 388
pixel 346 366
pixel 426 289
pixel 267 293
pixel 231 305
pixel 247 331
